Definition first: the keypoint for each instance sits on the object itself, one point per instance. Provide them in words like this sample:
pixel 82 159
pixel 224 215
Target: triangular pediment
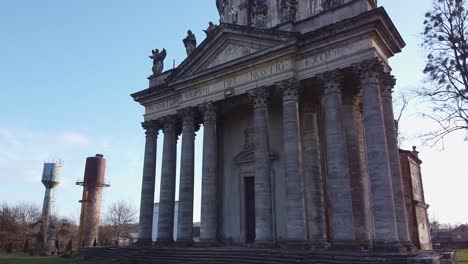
pixel 230 44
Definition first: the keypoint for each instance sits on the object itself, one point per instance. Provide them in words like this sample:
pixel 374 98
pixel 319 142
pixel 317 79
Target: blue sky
pixel 67 69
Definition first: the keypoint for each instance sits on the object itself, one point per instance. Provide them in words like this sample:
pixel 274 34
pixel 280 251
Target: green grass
pixel 26 259
pixel 462 256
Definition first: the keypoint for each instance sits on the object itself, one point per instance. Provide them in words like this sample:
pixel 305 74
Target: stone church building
pixel 299 141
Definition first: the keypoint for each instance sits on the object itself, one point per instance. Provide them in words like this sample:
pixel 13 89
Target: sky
pixel 67 69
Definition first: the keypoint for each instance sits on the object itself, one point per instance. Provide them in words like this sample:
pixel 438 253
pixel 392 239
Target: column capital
pixel 209 111
pixel 331 81
pixel 291 89
pixel 369 71
pixel 388 82
pixel 169 123
pixel 151 128
pixel 259 97
pixel 187 115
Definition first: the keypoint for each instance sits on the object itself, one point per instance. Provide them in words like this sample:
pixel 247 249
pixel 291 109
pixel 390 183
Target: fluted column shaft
pixel 360 192
pixel 209 215
pixel 313 177
pixel 145 228
pixel 186 185
pixel 338 183
pixel 383 208
pixel 388 82
pixel 263 207
pixel 296 225
pixel 168 180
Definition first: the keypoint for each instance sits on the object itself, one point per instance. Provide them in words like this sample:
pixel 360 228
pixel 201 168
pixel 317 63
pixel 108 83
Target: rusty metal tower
pixel 93 184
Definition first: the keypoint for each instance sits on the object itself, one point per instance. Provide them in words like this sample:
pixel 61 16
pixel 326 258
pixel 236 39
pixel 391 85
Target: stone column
pixel 338 182
pixel 186 184
pixel 168 180
pixel 145 228
pixel 209 213
pixel 292 163
pixel 383 209
pixel 360 192
pixel 263 207
pixel 313 177
pixel 388 82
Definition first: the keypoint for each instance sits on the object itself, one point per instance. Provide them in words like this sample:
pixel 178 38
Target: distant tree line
pixel 20 226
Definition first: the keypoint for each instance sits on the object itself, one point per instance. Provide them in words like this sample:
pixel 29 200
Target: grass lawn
pixel 26 259
pixel 462 256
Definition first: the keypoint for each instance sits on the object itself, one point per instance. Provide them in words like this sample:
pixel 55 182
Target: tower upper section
pixel 271 13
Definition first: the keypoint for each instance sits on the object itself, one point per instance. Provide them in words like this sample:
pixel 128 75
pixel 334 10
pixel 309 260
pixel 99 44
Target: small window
pixel 459 236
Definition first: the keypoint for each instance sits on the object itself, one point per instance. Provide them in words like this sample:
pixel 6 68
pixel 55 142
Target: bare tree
pixel 18 223
pixel 119 217
pixel 444 39
pixel 401 102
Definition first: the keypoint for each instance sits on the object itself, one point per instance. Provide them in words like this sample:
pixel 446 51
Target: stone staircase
pixel 230 255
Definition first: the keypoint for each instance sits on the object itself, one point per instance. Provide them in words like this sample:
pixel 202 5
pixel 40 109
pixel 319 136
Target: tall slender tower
pixel 93 184
pixel 50 178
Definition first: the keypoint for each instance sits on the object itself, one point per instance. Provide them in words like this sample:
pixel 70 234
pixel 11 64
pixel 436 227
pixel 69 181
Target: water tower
pixel 50 178
pixel 93 184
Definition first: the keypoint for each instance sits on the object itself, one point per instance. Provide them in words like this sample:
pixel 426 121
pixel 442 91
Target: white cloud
pixel 73 138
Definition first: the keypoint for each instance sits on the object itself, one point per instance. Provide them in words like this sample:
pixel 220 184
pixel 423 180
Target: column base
pixel 184 242
pixel 319 244
pixel 410 247
pixel 264 244
pixel 388 247
pixel 144 242
pixel 295 244
pixel 349 245
pixel 207 243
pixel 163 243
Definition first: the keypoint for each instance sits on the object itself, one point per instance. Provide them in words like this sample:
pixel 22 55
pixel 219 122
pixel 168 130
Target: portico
pixel 297 148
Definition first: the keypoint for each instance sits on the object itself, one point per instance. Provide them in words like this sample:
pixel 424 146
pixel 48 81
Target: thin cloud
pixel 73 138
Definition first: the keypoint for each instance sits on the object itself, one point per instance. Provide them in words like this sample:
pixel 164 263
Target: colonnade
pixel 359 203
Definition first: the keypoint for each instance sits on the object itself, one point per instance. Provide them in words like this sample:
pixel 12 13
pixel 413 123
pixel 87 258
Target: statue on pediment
pixel 190 42
pixel 331 4
pixel 288 10
pixel 158 61
pixel 211 27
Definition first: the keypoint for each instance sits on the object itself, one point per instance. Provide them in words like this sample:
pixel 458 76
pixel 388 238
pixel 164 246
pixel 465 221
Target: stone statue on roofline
pixel 210 29
pixel 288 10
pixel 260 13
pixel 331 4
pixel 158 61
pixel 190 42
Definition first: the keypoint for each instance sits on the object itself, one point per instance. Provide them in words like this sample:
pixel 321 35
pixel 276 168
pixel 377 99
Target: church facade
pixel 299 141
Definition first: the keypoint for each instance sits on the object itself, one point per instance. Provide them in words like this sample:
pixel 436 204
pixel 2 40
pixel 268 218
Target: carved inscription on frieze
pixel 267 71
pixel 327 56
pixel 230 82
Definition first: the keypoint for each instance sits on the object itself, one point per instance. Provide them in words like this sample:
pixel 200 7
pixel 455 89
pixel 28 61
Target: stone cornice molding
pixel 331 82
pixel 151 128
pixel 369 71
pixel 388 83
pixel 209 112
pixel 290 89
pixel 259 97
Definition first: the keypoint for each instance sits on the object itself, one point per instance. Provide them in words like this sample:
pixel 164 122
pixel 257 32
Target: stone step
pixel 156 255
